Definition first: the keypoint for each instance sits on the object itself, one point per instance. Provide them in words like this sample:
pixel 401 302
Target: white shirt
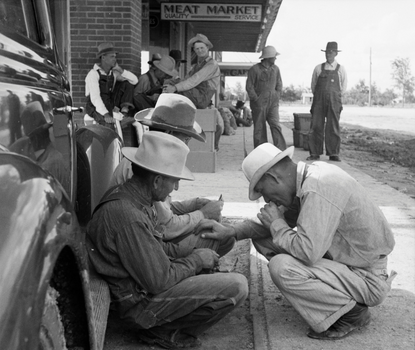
pixel 328 66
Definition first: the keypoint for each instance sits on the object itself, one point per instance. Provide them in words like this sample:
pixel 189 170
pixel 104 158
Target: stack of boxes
pixel 302 122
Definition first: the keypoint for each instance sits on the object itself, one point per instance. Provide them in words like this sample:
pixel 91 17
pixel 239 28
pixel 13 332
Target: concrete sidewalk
pixel 276 324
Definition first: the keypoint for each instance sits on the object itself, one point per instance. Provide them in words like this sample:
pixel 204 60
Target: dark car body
pixel 52 175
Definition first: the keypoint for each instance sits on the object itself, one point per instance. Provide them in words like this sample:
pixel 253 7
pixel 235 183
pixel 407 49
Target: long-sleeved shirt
pixel 210 73
pixel 342 75
pixel 174 218
pixel 263 80
pixel 92 85
pixel 128 252
pixel 144 84
pixel 337 220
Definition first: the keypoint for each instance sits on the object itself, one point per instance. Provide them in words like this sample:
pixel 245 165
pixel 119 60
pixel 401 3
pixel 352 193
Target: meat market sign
pixel 210 12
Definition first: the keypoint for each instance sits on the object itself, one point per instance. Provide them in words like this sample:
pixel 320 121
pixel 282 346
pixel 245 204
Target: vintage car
pixel 52 175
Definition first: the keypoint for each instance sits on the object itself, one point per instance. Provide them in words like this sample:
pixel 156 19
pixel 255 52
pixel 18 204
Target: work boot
pixel 313 157
pixel 357 317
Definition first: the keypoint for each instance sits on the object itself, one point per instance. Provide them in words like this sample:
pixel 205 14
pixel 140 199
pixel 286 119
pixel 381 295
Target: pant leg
pixel 318 117
pixel 332 131
pixel 142 101
pixel 260 127
pixel 194 304
pixel 273 119
pixel 324 292
pixel 123 94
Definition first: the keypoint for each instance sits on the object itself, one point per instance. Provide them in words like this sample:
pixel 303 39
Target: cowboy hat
pixel 155 57
pixel 239 104
pixel 34 120
pixel 166 64
pixel 162 154
pixel 173 112
pixel 259 161
pixel 269 52
pixel 177 55
pixel 202 38
pixel 105 48
pixel 331 46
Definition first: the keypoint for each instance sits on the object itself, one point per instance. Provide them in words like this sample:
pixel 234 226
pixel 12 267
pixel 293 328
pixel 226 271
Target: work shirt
pixel 328 66
pixel 209 73
pixel 146 82
pixel 337 221
pixel 92 85
pixel 129 253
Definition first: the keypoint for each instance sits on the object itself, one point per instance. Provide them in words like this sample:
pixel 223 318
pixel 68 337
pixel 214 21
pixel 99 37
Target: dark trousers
pixel 325 126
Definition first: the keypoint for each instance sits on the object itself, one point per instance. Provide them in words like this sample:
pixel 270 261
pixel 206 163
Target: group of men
pixel 327 243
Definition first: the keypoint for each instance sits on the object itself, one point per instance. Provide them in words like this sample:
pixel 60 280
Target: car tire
pixel 52 333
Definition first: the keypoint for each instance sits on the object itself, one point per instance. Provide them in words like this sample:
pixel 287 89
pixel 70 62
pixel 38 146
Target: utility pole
pixel 370 78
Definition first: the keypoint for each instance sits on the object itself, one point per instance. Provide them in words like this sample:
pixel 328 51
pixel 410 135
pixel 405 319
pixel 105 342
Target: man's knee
pixel 240 287
pixel 280 269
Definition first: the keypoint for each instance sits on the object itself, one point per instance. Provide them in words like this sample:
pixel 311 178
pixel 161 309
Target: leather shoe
pixel 357 317
pixel 335 158
pixel 313 157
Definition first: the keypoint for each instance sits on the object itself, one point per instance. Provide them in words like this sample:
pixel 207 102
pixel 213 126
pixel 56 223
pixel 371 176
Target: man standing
pixel 157 285
pixel 150 84
pixel 203 79
pixel 108 86
pixel 328 84
pixel 264 86
pixel 333 267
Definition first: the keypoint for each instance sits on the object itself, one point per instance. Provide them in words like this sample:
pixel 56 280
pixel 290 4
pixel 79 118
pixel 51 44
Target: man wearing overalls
pixel 328 83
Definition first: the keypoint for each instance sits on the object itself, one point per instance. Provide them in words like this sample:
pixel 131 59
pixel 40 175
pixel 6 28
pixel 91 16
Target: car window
pixel 21 19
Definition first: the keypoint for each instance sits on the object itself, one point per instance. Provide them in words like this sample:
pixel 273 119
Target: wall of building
pixel 95 21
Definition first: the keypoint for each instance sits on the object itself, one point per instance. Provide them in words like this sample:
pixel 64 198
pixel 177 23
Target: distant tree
pixel 291 94
pixel 401 73
pixel 357 95
pixel 238 91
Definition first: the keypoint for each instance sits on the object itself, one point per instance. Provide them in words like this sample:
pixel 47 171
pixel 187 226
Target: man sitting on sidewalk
pixel 175 114
pixel 155 285
pixel 334 265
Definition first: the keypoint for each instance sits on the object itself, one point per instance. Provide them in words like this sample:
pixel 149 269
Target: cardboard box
pixel 201 162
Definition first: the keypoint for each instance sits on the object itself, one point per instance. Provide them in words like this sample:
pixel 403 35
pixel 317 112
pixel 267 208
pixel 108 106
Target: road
pixel 393 118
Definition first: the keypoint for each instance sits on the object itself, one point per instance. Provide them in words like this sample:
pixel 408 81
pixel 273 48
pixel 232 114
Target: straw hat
pixel 167 65
pixel 173 112
pixel 162 154
pixel 269 52
pixel 105 48
pixel 202 38
pixel 155 57
pixel 259 161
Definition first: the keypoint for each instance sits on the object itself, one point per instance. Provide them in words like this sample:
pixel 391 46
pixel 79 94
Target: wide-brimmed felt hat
pixel 331 46
pixel 202 38
pixel 167 65
pixel 177 55
pixel 154 57
pixel 239 104
pixel 162 154
pixel 34 119
pixel 105 48
pixel 173 112
pixel 259 161
pixel 268 52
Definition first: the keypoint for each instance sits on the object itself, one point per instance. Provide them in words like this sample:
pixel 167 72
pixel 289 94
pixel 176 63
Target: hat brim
pixel 254 195
pixel 144 117
pixel 206 42
pixel 172 73
pixel 331 50
pixel 106 53
pixel 129 153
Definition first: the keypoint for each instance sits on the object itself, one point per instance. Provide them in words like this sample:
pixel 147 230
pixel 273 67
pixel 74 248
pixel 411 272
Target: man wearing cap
pixel 242 114
pixel 150 84
pixel 175 114
pixel 333 266
pixel 204 77
pixel 108 87
pixel 264 86
pixel 158 286
pixel 328 84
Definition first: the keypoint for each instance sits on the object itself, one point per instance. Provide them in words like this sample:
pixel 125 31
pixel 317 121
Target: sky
pixel 382 30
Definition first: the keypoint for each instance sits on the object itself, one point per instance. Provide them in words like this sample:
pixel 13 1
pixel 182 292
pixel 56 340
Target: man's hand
pixel 118 69
pixel 108 118
pixel 209 257
pixel 214 230
pixel 169 88
pixel 269 213
pixel 212 210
